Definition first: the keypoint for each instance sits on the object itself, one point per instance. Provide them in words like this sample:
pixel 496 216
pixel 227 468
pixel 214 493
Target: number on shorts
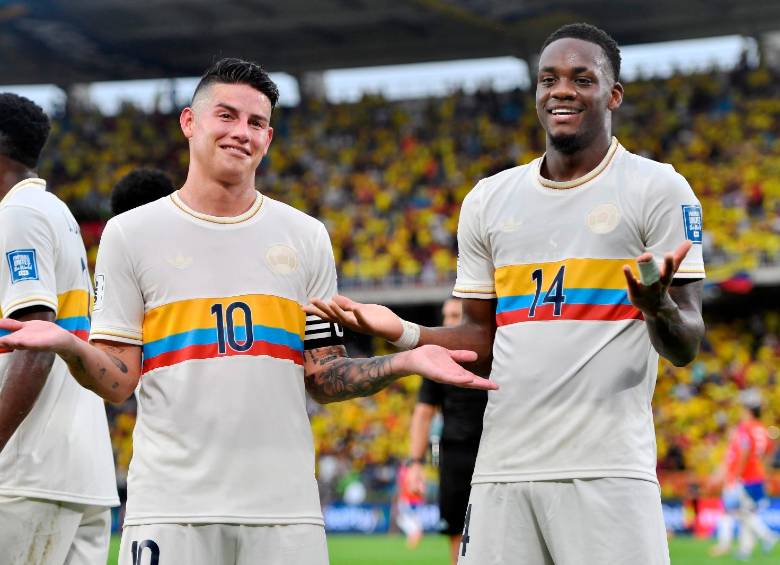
pixel 466 538
pixel 137 550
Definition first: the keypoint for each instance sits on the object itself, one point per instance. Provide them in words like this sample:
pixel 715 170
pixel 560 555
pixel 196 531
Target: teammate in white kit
pixel 566 466
pixel 57 477
pixel 201 293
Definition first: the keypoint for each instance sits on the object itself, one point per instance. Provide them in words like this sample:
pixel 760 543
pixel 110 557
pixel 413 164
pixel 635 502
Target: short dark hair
pixel 238 71
pixel 24 128
pixel 592 34
pixel 138 188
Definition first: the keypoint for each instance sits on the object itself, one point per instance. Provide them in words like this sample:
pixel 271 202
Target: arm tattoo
pixel 332 376
pixel 118 362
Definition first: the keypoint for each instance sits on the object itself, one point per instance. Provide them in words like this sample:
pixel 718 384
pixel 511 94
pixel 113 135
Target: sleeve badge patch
pixel 692 222
pixel 23 265
pixel 100 291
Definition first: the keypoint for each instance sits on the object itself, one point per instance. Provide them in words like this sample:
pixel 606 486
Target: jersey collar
pixel 26 183
pixel 584 178
pixel 253 210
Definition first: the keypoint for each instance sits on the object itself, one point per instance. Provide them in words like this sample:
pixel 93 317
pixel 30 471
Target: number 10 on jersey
pixel 226 327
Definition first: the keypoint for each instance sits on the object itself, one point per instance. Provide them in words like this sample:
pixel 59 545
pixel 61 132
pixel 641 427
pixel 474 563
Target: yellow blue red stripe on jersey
pixel 73 309
pixel 572 289
pixel 208 328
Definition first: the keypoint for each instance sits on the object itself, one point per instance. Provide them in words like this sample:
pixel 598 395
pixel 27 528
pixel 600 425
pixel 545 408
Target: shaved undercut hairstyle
pixel 238 71
pixel 24 128
pixel 592 34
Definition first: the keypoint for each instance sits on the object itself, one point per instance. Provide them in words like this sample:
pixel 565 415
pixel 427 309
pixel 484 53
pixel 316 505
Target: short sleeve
pixel 28 247
pixel 322 271
pixel 430 393
pixel 322 284
pixel 674 215
pixel 119 307
pixel 476 272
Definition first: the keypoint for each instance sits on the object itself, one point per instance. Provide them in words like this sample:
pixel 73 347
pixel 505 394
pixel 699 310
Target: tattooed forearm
pixel 76 365
pixel 106 370
pixel 331 376
pixel 118 362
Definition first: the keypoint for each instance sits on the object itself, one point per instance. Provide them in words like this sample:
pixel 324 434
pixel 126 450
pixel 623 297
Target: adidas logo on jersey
pixel 180 261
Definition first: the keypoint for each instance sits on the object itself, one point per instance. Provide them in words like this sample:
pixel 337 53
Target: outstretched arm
pixel 109 369
pixel 672 313
pixel 331 376
pixel 475 332
pixel 23 379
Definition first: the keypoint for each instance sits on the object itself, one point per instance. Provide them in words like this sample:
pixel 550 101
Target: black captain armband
pixel 321 333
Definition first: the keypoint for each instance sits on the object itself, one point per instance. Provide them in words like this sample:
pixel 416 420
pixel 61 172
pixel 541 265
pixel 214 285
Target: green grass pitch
pixel 391 550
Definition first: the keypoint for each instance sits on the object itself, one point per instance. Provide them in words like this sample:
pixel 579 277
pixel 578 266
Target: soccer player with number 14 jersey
pixel 565 472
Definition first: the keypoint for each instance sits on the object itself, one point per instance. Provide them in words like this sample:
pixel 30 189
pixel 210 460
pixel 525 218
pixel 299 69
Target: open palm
pixel 441 365
pixel 35 335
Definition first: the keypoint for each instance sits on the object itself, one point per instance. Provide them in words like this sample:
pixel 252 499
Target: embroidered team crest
pixel 604 218
pixel 23 265
pixel 692 222
pixel 282 259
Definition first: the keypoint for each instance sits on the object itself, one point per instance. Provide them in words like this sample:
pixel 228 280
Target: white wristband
pixel 648 272
pixel 409 337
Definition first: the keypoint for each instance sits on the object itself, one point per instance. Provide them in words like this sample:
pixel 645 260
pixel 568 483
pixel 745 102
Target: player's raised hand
pixel 651 297
pixel 34 335
pixel 372 319
pixel 441 365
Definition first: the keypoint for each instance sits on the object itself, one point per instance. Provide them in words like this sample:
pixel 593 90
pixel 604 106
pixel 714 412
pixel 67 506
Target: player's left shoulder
pixel 657 176
pixel 296 218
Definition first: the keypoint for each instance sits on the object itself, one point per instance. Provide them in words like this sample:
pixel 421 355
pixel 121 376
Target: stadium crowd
pixel 388 180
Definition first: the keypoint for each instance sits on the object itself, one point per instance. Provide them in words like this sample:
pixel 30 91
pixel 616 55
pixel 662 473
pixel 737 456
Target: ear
pixel 185 121
pixel 268 141
pixel 616 96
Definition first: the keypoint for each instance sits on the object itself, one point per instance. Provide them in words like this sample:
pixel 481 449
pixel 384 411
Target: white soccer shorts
pixel 605 521
pixel 46 532
pixel 223 544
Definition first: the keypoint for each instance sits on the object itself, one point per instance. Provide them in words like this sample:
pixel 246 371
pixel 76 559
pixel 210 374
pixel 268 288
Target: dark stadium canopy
pixel 72 41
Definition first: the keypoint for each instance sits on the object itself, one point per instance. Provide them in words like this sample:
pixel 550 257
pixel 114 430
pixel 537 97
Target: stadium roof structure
pixel 76 41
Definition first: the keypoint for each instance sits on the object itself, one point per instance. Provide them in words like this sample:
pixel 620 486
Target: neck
pixel 12 173
pixel 559 166
pixel 216 198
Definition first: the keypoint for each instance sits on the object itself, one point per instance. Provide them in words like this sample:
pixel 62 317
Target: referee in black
pixel 462 410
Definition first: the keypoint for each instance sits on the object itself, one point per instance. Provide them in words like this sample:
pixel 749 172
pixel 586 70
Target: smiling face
pixel 229 131
pixel 575 94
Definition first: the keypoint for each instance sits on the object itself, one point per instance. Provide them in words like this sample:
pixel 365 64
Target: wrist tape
pixel 410 336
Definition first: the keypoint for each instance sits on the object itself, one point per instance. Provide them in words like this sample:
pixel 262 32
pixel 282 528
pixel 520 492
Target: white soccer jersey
pixel 572 356
pixel 222 434
pixel 61 451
